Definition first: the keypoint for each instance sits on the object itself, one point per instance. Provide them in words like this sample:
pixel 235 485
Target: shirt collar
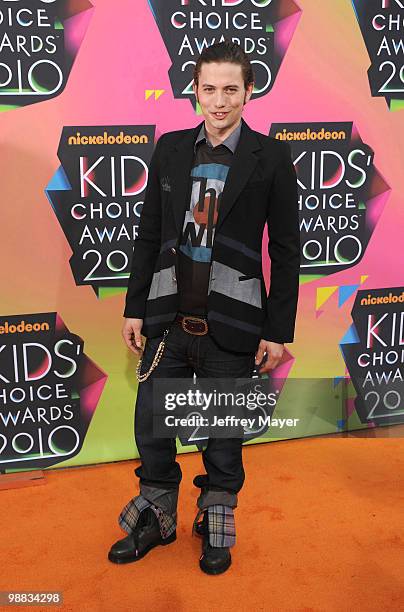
pixel 230 142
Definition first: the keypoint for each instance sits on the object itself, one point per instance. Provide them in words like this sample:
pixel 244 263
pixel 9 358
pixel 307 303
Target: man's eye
pixel 208 89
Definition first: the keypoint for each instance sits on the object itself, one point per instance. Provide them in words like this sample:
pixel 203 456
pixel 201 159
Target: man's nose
pixel 220 101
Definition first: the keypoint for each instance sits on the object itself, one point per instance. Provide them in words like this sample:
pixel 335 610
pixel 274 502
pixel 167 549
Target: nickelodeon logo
pixel 382 299
pixel 20 328
pixel 106 138
pixel 310 134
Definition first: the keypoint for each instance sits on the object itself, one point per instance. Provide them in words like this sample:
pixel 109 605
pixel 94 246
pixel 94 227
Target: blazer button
pixel 173 250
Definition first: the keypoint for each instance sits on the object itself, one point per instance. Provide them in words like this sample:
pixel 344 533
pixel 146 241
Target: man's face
pixel 221 90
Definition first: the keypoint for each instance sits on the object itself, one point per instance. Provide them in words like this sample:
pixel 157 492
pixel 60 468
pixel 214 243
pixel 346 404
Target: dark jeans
pixel 185 354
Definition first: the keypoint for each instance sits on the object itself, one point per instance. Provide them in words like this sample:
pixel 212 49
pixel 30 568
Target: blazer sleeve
pixel 147 243
pixel 283 250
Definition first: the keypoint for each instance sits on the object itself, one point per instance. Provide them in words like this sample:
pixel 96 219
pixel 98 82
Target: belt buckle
pixel 196 333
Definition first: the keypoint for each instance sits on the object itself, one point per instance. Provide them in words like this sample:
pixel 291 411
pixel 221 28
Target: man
pixel 197 274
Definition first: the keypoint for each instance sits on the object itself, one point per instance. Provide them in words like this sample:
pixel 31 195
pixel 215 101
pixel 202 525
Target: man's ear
pixel 248 92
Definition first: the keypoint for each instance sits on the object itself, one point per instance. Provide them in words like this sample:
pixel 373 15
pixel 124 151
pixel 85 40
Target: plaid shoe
pixel 222 528
pixel 130 514
pixel 214 559
pixel 145 536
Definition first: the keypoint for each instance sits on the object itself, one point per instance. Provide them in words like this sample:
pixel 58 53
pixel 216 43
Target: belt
pixel 193 325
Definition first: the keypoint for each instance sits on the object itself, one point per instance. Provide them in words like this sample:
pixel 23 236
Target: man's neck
pixel 219 136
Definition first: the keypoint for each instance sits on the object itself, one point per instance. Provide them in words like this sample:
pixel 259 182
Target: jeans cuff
pixel 166 499
pixel 211 498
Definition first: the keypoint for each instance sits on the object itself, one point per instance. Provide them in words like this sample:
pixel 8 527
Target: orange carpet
pixel 319 527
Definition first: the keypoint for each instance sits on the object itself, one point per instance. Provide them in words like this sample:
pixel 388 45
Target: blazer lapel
pixel 181 163
pixel 242 166
pixel 243 163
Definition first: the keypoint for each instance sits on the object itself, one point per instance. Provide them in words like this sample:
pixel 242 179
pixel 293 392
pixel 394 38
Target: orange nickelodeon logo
pixel 391 298
pixel 105 138
pixel 309 134
pixel 20 328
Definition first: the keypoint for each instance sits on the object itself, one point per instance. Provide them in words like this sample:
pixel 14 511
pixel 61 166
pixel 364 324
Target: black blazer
pixel 261 186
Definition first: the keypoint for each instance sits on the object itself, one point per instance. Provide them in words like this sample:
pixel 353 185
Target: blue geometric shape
pixel 59 181
pixel 341 423
pixel 351 336
pixel 345 293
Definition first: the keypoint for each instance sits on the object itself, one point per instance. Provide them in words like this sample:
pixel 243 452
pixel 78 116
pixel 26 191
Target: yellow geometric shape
pixel 159 92
pixel 148 93
pixel 363 278
pixel 323 293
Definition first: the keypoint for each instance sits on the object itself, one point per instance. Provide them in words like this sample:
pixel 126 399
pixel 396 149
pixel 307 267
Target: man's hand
pixel 132 336
pixel 274 352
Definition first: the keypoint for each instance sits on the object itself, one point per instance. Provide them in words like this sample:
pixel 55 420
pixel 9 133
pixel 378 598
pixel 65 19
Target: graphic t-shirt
pixel 208 176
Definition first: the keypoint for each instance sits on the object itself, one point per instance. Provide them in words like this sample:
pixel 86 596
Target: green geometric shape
pixel 7 107
pixel 58 25
pixel 269 27
pixel 396 105
pixel 307 278
pixel 105 292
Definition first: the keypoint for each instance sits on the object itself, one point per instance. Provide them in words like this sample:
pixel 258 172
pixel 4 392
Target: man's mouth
pixel 219 115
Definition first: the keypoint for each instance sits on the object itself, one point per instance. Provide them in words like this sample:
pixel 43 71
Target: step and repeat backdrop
pixel 86 89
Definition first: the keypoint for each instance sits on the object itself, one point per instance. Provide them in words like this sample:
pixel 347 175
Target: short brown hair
pixel 226 51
